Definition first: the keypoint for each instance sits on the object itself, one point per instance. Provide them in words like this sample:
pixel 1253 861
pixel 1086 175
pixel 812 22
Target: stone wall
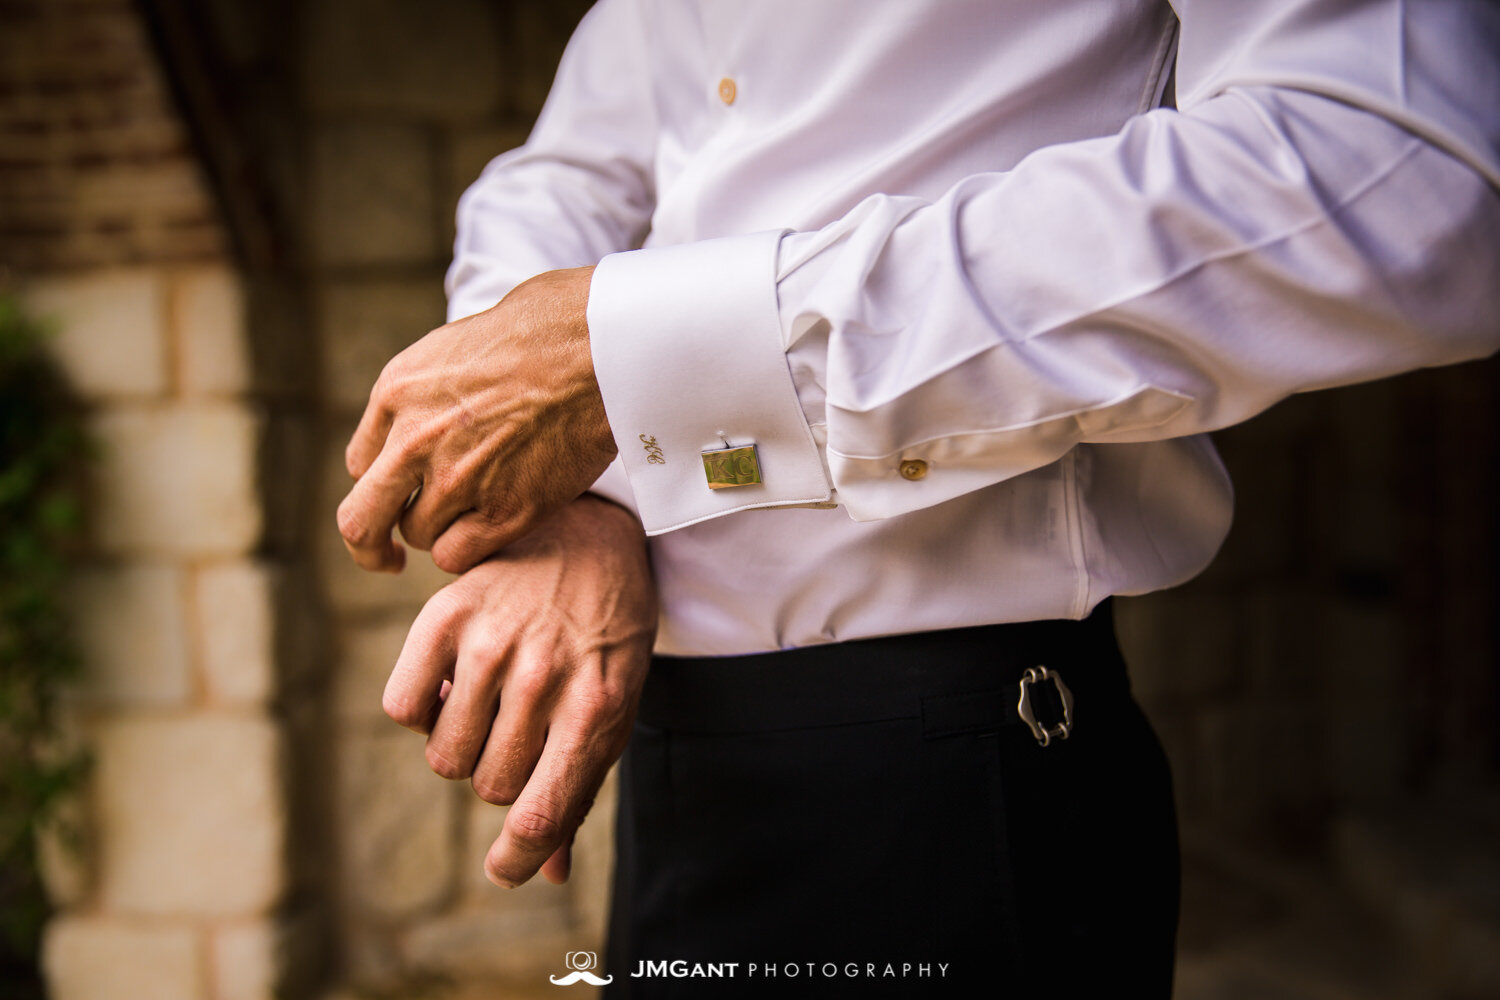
pixel 1339 653
pixel 403 110
pixel 191 614
pixel 180 886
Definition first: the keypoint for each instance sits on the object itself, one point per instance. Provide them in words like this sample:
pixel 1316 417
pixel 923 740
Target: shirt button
pixel 913 469
pixel 727 90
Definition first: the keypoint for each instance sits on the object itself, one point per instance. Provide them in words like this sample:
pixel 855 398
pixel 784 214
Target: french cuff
pixel 687 349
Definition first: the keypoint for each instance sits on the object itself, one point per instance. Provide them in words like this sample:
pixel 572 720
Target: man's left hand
pixel 479 430
pixel 525 673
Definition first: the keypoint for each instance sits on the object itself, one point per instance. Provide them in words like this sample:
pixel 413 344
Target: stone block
pixel 267 959
pixel 213 350
pixel 541 32
pixel 368 651
pixel 468 153
pixel 371 961
pixel 281 350
pixel 236 624
pixel 302 640
pixel 349 588
pixel 510 944
pixel 288 483
pixel 132 633
pixel 178 480
pixel 192 814
pixel 110 330
pixel 1181 646
pixel 363 324
pixel 372 196
pixel 245 961
pixel 537 899
pixel 594 862
pixel 99 958
pixel 393 58
pixel 397 854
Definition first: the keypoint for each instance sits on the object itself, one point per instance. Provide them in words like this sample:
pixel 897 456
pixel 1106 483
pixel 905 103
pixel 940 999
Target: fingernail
pixel 503 883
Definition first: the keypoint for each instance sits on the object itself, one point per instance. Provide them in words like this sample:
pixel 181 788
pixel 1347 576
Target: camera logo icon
pixel 581 963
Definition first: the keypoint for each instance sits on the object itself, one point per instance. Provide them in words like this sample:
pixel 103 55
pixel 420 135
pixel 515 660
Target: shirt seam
pixel 1073 519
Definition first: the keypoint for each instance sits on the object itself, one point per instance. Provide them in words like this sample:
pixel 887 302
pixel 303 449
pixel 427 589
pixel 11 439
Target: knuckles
pixel 495 790
pixel 353 460
pixel 534 829
pixel 352 525
pixel 454 557
pixel 403 710
pixel 447 764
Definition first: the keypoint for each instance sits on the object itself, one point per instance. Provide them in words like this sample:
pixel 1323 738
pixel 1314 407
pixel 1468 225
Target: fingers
pixel 414 695
pixel 463 724
pixel 516 740
pixel 473 537
pixel 369 513
pixel 430 514
pixel 548 811
pixel 369 437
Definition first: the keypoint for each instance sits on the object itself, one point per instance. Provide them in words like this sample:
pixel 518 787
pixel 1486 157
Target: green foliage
pixel 42 453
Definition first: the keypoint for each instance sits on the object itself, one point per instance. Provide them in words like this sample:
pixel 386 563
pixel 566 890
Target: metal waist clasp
pixel 1056 720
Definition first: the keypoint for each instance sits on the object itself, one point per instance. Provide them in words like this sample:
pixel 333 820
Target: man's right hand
pixel 525 674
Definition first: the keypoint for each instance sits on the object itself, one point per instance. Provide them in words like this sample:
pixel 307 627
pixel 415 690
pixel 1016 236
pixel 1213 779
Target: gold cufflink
pixel 730 467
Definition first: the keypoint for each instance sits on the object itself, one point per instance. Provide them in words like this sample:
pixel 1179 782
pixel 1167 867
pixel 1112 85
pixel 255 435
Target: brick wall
pixel 95 168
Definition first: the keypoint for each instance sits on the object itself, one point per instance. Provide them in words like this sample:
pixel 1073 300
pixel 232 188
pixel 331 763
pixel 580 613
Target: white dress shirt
pixel 950 267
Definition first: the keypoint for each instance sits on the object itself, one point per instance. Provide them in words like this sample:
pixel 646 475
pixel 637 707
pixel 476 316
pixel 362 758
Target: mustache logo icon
pixel 587 977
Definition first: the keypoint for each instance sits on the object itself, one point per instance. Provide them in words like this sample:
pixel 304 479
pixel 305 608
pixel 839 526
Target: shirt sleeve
pixel 1321 210
pixel 581 186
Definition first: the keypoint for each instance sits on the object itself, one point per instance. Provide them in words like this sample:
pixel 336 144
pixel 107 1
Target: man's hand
pixel 479 430
pixel 525 672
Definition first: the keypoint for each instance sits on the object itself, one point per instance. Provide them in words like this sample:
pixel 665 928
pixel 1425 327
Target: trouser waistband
pixel 942 677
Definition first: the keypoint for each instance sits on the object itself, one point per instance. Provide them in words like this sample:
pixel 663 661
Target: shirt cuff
pixel 687 348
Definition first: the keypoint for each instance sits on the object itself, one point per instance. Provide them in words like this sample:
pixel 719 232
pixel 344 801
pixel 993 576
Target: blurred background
pixel 230 214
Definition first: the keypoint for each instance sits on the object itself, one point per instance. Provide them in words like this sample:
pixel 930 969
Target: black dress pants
pixel 874 819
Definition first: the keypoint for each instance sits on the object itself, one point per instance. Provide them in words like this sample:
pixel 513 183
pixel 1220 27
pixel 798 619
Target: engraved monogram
pixel 731 467
pixel 653 451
